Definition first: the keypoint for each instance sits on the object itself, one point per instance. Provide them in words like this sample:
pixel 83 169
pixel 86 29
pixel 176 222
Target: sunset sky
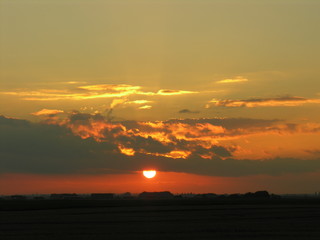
pixel 218 96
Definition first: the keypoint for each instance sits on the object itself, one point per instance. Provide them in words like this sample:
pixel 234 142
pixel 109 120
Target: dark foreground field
pixel 159 220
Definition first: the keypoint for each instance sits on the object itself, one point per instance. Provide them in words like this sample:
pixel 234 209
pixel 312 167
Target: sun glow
pixel 149 173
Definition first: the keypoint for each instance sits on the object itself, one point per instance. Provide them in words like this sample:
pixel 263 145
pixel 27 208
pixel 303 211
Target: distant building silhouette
pixel 38 198
pixel 18 197
pixel 234 196
pixel 206 196
pixel 64 196
pixel 156 195
pixel 258 194
pixel 262 194
pixel 126 195
pixel 102 196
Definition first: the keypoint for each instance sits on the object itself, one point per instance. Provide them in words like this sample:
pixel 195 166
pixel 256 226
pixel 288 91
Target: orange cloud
pixel 175 154
pixel 183 138
pixel 126 151
pixel 200 146
pixel 178 154
pixel 265 102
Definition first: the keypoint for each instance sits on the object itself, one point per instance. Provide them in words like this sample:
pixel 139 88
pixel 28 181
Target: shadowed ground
pixel 158 220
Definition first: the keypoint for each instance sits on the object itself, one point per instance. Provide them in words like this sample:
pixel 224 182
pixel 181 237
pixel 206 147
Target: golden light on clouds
pixel 87 92
pixel 110 87
pixel 175 154
pixel 180 139
pixel 47 112
pixel 168 92
pixel 178 154
pixel 116 102
pixel 138 102
pixel 126 151
pixel 238 79
pixel 145 107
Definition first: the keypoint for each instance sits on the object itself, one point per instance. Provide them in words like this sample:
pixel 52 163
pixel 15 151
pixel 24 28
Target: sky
pixel 218 96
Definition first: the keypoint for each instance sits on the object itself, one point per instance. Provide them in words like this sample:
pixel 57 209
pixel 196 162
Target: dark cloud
pixel 84 118
pixel 284 101
pixel 27 147
pixel 313 152
pixel 40 148
pixel 13 122
pixel 147 144
pixel 187 111
pixel 215 150
pixel 220 151
pixel 233 167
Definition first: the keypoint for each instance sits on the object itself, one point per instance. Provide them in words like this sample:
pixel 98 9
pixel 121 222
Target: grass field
pixel 158 220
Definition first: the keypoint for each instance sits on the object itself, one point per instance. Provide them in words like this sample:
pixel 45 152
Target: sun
pixel 149 173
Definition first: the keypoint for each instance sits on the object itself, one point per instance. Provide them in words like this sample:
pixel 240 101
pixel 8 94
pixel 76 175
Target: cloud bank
pixel 85 143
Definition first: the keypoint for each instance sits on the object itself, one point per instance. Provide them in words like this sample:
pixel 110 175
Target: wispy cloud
pixel 145 107
pixel 286 101
pixel 47 112
pixel 73 82
pixel 141 101
pixel 168 92
pixel 117 101
pixel 110 87
pixel 90 92
pixel 238 79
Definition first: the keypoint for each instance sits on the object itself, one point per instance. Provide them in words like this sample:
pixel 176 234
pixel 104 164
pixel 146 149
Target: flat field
pixel 135 219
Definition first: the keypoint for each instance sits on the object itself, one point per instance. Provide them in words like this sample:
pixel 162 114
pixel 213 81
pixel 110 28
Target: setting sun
pixel 149 173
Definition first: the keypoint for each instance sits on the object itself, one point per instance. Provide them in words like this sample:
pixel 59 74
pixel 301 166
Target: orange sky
pixel 219 96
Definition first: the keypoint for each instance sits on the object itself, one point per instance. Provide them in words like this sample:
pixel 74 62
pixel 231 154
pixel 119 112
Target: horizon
pixel 135 194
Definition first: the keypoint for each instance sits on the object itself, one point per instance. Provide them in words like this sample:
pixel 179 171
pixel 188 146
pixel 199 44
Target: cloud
pixel 116 102
pixel 142 101
pixel 145 107
pixel 88 143
pixel 42 94
pixel 110 87
pixel 173 92
pixel 86 92
pixel 187 111
pixel 238 79
pixel 228 123
pixel 41 148
pixel 74 82
pixel 286 101
pixel 47 112
pixel 237 168
pixel 313 152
